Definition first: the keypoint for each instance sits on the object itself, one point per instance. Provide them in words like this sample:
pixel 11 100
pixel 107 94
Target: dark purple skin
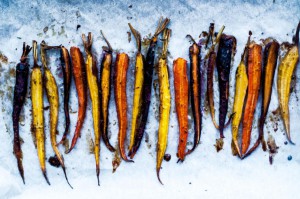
pixel 224 56
pixel 67 84
pixel 22 71
pixel 106 52
pixel 146 96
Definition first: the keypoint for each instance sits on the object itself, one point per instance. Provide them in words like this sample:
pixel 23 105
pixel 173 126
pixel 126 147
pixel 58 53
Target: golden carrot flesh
pixel 38 111
pixel 120 76
pixel 165 103
pixel 285 72
pixel 181 87
pixel 254 75
pixel 241 85
pixel 105 84
pixel 138 89
pixel 52 95
pixel 92 79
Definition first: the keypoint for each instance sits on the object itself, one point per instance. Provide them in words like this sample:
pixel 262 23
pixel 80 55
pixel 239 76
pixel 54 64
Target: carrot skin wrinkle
pixel 223 61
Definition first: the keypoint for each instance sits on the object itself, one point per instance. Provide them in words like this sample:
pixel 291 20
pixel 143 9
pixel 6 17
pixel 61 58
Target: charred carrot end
pixel 20 90
pixel 121 100
pixel 194 52
pixel 105 86
pixel 79 74
pixel 181 101
pixel 165 103
pixel 254 76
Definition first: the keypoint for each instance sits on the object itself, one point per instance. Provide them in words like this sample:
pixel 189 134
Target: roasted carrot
pixel 211 62
pixel 79 75
pixel 285 71
pixel 138 89
pixel 165 103
pixel 268 71
pixel 53 99
pixel 195 84
pixel 67 67
pixel 181 87
pixel 146 92
pixel 37 126
pixel 22 70
pixel 241 86
pixel 105 84
pixel 254 76
pixel 120 76
pixel 92 79
pixel 210 73
pixel 225 54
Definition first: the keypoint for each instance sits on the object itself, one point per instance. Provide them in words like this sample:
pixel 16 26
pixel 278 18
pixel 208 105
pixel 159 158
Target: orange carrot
pixel 120 76
pixel 181 86
pixel 254 73
pixel 81 87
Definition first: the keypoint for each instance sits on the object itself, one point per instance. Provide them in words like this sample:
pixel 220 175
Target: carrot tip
pixel 64 170
pixel 158 177
pixel 46 178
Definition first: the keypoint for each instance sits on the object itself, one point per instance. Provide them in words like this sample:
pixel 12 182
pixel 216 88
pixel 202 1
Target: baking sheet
pixel 205 173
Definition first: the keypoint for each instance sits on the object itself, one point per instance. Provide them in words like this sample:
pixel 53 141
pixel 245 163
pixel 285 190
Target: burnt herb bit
pixel 20 90
pixel 53 161
pixel 105 87
pixel 146 92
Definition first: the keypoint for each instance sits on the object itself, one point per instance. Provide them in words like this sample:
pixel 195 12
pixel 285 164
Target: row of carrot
pixel 220 50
